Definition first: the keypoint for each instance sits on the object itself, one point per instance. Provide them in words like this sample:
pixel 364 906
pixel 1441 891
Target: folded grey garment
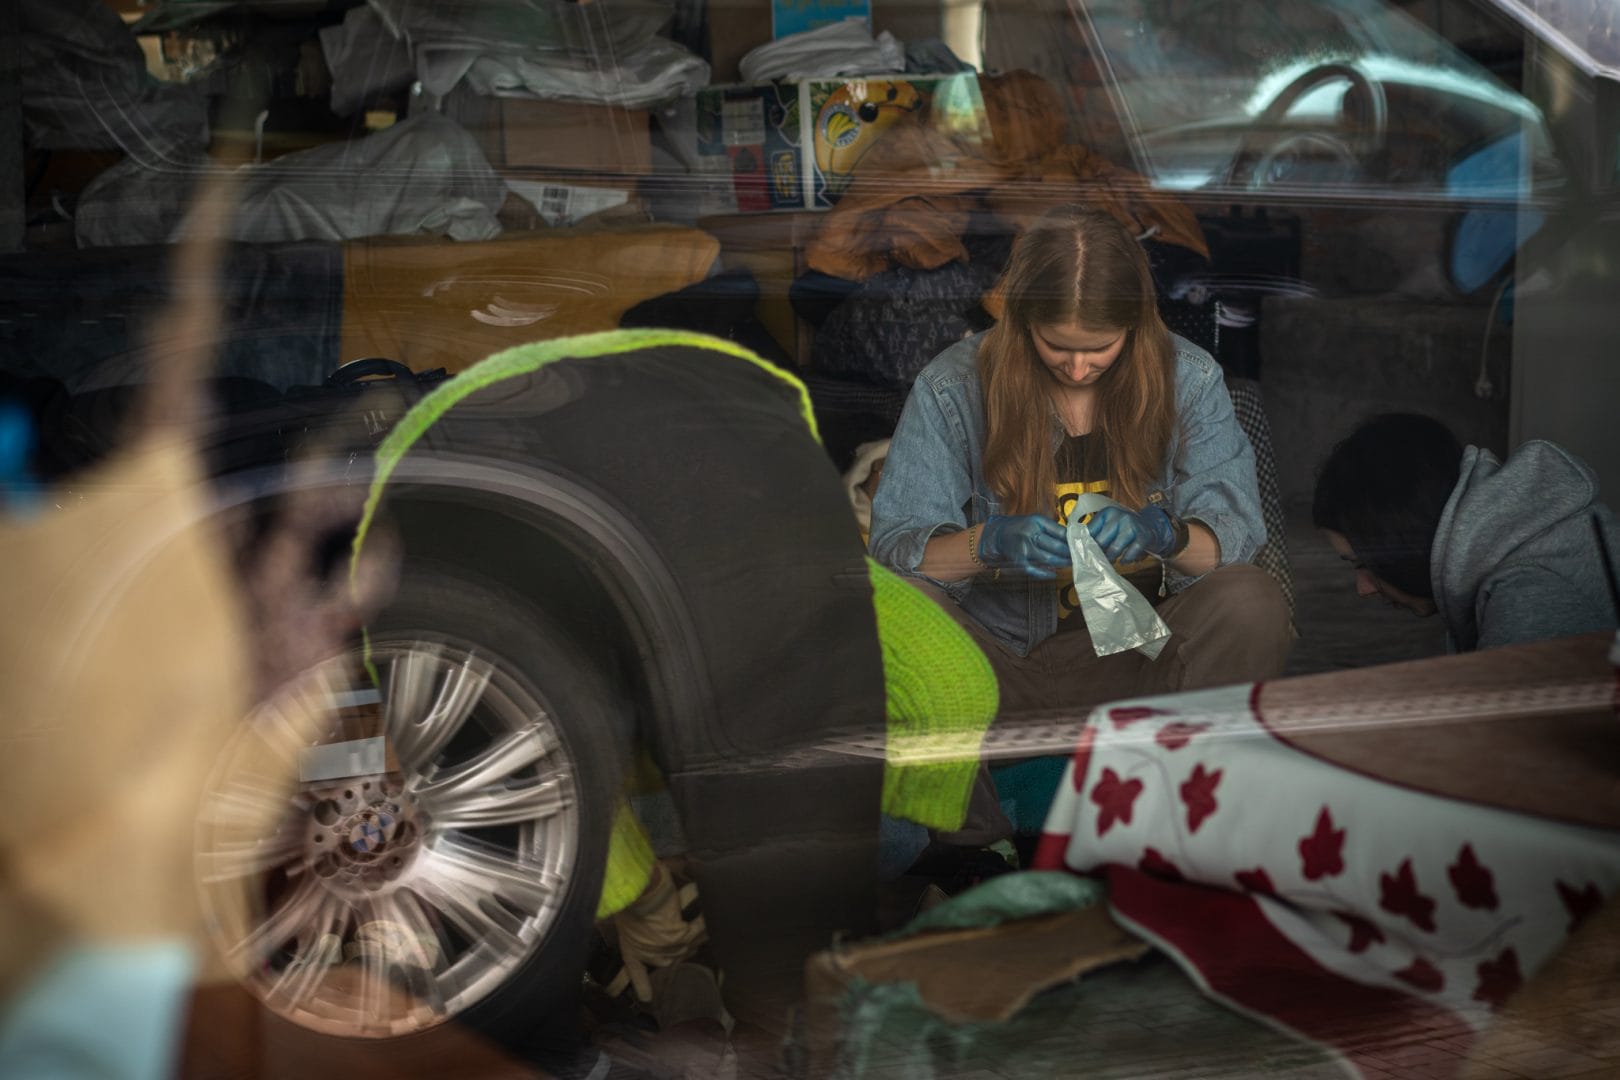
pixel 841 48
pixel 652 73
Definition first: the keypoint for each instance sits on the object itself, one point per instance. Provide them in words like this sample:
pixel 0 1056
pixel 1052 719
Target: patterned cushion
pixel 1251 416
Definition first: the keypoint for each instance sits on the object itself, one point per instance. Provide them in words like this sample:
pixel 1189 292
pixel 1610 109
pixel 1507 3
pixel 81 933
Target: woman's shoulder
pixel 1196 369
pixel 955 369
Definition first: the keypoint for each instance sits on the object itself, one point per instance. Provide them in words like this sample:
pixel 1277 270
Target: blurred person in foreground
pixel 1504 551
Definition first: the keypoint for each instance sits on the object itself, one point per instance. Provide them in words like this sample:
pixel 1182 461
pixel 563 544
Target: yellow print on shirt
pixel 1067 495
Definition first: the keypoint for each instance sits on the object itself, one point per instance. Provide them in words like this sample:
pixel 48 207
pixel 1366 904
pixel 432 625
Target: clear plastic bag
pixel 1118 616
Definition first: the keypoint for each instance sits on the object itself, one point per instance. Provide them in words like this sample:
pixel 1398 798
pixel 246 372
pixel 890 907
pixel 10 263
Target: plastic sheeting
pixel 1118 617
pixel 423 176
pixel 607 52
pixel 85 86
pixel 842 48
pixel 1007 897
pixel 651 74
pixel 364 58
pixel 600 28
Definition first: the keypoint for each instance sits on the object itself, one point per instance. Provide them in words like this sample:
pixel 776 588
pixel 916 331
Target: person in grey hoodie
pixel 1504 551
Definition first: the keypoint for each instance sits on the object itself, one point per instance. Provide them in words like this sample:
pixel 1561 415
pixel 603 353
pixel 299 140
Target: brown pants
pixel 1229 627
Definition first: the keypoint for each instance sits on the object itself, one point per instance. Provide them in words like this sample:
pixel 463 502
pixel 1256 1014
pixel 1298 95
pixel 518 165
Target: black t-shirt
pixel 1082 468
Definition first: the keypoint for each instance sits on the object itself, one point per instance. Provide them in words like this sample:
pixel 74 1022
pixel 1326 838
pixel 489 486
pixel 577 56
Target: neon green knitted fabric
pixel 941 697
pixel 629 863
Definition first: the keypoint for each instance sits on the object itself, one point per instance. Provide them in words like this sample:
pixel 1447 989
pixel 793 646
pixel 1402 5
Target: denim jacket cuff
pixel 908 562
pixel 1237 545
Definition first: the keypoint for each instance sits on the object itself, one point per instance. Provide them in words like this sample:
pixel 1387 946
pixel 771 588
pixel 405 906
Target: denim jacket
pixel 933 483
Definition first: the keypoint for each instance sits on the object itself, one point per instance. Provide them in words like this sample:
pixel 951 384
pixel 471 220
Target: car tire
pixel 456 889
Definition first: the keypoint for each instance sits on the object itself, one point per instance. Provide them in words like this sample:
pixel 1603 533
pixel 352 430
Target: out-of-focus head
pixel 1379 497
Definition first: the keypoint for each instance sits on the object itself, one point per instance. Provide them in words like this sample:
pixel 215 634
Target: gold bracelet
pixel 973 546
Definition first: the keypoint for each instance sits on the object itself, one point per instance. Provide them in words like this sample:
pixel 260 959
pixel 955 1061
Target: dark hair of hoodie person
pixel 1383 489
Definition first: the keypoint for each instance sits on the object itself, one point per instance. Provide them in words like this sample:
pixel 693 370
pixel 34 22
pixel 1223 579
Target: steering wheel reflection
pixel 1271 154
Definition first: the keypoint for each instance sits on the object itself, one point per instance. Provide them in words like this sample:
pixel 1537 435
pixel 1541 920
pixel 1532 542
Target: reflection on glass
pixel 1206 84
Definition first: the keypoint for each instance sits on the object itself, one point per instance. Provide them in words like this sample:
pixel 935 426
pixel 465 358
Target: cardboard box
pixel 560 201
pixel 844 118
pixel 749 145
pixel 735 28
pixel 973 976
pixel 554 135
pixel 791 146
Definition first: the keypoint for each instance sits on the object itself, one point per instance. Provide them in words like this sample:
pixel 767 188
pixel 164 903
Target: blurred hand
pixel 1130 536
pixel 1030 543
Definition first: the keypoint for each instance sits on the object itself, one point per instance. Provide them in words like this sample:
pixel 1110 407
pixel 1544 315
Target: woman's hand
pixel 1030 543
pixel 1130 536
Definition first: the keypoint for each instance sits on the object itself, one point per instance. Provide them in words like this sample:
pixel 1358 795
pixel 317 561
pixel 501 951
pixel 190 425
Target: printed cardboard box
pixel 844 118
pixel 749 141
pixel 792 146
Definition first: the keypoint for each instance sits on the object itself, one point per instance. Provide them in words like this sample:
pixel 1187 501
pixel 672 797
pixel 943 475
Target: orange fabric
pixel 439 303
pixel 1026 114
pixel 1075 174
pixel 909 199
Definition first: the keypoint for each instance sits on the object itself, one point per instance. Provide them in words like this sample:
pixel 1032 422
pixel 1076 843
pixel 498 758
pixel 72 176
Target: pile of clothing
pixel 608 53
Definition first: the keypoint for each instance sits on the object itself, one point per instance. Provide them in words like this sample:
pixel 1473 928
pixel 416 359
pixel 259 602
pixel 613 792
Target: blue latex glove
pixel 1029 543
pixel 1130 536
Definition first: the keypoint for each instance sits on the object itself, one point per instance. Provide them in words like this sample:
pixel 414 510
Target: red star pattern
pixel 1156 865
pixel 1126 716
pixel 1363 931
pixel 1198 792
pixel 1422 975
pixel 1114 798
pixel 1322 852
pixel 1498 979
pixel 1474 883
pixel 1177 733
pixel 1399 895
pixel 1256 880
pixel 1580 903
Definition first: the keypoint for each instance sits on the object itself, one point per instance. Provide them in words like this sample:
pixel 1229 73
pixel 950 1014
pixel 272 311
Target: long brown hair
pixel 1076 265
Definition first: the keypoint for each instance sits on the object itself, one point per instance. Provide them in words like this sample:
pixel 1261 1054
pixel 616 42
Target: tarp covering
pixel 423 176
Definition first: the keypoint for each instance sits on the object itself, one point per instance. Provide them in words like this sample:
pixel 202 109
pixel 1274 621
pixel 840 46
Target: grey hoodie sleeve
pixel 1515 556
pixel 1530 603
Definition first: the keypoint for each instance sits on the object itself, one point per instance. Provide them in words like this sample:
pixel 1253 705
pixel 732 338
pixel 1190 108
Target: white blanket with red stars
pixel 1346 909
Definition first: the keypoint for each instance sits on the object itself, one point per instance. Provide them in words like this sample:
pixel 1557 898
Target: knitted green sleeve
pixel 941 696
pixel 629 863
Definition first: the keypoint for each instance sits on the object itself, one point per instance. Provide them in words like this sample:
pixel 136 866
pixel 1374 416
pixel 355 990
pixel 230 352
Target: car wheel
pixel 455 879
